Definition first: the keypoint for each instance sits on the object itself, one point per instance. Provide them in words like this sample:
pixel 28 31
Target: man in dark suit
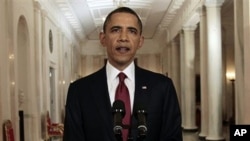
pixel 89 102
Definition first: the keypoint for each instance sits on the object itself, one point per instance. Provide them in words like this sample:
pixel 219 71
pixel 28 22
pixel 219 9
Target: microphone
pixel 118 111
pixel 140 115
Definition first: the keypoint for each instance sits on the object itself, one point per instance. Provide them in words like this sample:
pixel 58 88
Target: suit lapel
pixel 102 100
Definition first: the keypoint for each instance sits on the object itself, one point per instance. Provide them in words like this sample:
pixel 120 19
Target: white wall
pixel 149 56
pixel 28 40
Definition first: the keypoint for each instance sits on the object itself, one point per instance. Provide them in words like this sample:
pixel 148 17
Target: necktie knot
pixel 122 76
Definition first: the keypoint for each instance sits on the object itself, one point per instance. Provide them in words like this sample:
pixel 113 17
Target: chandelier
pixel 120 3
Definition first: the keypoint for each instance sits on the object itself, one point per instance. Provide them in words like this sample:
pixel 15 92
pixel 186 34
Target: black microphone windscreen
pixel 119 107
pixel 139 109
pixel 118 104
pixel 141 115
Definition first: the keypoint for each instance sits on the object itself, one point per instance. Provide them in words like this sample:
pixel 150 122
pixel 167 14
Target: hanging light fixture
pixel 120 3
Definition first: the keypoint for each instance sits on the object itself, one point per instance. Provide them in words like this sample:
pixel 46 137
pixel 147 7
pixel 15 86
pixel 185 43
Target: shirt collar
pixel 112 72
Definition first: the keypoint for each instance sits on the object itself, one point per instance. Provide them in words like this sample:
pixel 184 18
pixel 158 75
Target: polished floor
pixel 187 136
pixel 194 136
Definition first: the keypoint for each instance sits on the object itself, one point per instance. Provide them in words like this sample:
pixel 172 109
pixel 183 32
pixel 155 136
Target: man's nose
pixel 123 36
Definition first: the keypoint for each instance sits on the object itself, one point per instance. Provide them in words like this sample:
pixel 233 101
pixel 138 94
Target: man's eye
pixel 133 31
pixel 115 30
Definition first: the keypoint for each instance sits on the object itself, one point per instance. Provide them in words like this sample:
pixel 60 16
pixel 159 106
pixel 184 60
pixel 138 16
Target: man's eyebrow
pixel 130 27
pixel 116 26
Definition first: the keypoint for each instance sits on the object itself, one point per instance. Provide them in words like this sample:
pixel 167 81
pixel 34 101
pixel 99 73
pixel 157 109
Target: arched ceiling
pixel 86 16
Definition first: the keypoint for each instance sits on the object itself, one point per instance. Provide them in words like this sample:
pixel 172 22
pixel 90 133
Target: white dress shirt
pixel 113 81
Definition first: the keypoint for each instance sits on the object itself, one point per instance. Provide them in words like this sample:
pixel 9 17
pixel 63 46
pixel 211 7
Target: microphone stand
pixel 118 134
pixel 140 137
pixel 142 134
pixel 118 137
pixel 130 138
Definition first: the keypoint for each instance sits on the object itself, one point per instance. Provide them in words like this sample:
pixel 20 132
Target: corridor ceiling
pixel 86 16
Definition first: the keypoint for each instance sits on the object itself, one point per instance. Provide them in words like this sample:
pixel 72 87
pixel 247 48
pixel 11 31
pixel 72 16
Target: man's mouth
pixel 122 49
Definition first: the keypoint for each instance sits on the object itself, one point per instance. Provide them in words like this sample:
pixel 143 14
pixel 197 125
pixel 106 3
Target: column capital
pixel 201 10
pixel 44 13
pixel 213 3
pixel 189 28
pixel 37 5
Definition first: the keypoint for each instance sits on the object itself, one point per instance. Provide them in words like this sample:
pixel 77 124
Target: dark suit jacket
pixel 89 115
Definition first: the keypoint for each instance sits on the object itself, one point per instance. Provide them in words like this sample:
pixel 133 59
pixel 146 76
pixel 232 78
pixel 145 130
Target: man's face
pixel 122 39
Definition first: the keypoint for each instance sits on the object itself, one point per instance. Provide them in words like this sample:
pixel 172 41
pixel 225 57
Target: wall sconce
pixel 11 57
pixel 230 76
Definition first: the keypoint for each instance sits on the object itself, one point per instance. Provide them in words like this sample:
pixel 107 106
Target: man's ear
pixel 141 41
pixel 102 38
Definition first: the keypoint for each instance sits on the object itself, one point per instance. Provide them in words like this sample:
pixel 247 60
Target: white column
pixel 38 66
pixel 60 73
pixel 5 108
pixel 242 57
pixel 176 66
pixel 190 104
pixel 170 69
pixel 38 52
pixel 246 15
pixel 203 74
pixel 182 78
pixel 45 73
pixel 214 71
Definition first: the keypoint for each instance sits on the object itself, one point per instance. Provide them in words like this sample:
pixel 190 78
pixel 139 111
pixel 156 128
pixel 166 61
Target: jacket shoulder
pixel 151 75
pixel 100 74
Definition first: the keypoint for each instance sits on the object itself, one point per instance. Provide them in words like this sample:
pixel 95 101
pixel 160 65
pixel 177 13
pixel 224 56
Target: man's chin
pixel 122 64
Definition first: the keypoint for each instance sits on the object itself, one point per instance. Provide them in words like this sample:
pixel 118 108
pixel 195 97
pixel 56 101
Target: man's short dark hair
pixel 122 10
